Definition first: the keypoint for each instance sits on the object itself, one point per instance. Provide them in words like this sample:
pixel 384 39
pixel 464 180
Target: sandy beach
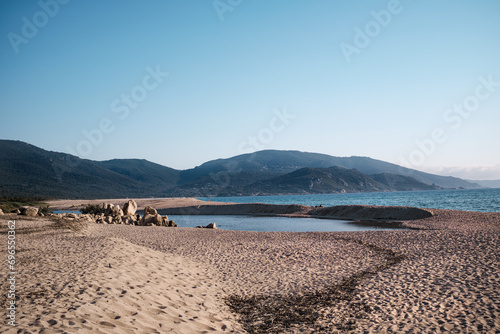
pixel 442 275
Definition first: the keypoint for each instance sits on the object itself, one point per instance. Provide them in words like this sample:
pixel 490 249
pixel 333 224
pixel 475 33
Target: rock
pixel 117 211
pixel 150 210
pixel 108 208
pixel 117 220
pixel 150 220
pixel 130 208
pixel 28 211
pixel 171 223
pixel 129 219
pixel 211 225
pixel 71 215
pixel 17 211
pixel 1 212
pixel 164 221
pixel 88 218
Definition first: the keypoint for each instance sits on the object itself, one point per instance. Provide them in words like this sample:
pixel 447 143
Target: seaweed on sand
pixel 277 313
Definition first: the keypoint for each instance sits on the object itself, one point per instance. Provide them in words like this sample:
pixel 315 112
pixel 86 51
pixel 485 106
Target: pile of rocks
pixel 113 214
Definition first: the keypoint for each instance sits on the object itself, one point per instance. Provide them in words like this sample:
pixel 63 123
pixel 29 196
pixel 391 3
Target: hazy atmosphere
pixel 415 83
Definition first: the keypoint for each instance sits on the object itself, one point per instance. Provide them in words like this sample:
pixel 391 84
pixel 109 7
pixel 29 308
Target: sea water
pixel 485 200
pixel 270 224
pixel 265 224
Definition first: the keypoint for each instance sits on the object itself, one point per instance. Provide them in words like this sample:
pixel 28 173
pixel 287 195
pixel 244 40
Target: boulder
pixel 117 220
pixel 211 225
pixel 130 208
pixel 171 223
pixel 108 208
pixel 117 211
pixel 28 211
pixel 129 219
pixel 164 221
pixel 150 210
pixel 150 220
pixel 87 218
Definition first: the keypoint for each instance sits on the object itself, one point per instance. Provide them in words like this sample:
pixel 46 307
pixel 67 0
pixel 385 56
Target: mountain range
pixel 27 170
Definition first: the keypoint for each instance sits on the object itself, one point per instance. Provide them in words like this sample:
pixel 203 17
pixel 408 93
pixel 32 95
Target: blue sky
pixel 182 82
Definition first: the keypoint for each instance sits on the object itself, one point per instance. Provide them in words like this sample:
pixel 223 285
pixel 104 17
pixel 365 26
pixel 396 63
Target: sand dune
pixel 74 282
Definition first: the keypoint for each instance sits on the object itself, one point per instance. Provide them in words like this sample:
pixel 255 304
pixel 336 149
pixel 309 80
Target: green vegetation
pixel 26 170
pixel 9 204
pixel 94 209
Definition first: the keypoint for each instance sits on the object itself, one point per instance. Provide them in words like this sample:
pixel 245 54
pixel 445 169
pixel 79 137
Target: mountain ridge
pixel 27 170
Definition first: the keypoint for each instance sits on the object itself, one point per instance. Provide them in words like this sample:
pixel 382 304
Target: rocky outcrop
pixel 108 208
pixel 150 210
pixel 130 219
pixel 113 214
pixel 150 220
pixel 117 211
pixel 130 208
pixel 30 211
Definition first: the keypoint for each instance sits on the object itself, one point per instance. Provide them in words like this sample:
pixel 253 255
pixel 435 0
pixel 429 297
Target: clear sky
pixel 182 82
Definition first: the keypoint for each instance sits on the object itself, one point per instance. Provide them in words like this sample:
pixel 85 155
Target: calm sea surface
pixel 485 200
pixel 270 224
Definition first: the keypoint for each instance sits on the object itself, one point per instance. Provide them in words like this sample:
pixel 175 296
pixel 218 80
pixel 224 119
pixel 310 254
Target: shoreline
pixel 382 216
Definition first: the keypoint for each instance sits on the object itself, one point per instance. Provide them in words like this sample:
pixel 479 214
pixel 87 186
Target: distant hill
pixel 318 181
pixel 26 170
pixel 143 171
pixel 487 183
pixel 271 163
pixel 308 181
pixel 403 183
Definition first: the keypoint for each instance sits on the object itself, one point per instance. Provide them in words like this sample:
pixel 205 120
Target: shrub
pixel 45 210
pixel 94 209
